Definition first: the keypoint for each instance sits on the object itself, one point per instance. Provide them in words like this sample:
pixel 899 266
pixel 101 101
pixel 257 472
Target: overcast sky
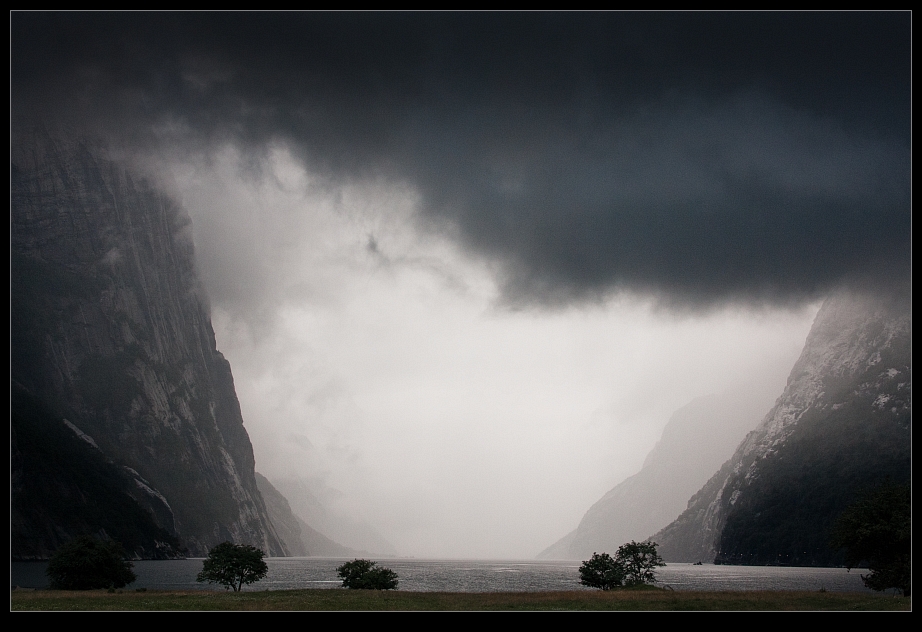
pixel 464 266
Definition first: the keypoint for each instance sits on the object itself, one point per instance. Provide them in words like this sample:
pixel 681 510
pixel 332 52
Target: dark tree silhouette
pixel 85 563
pixel 877 530
pixel 639 560
pixel 233 565
pixel 601 571
pixel 633 565
pixel 364 574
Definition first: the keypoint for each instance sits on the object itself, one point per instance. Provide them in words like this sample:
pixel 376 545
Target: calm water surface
pixel 476 575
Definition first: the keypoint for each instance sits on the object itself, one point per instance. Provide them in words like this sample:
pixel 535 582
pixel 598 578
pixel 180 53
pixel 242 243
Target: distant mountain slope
pixel 319 545
pixel 110 331
pixel 315 505
pixel 698 438
pixel 285 523
pixel 843 423
pixel 299 538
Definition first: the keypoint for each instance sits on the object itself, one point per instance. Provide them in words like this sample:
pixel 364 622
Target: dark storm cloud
pixel 698 157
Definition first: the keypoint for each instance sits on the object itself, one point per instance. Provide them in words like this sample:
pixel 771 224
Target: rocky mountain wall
pixel 843 424
pixel 110 330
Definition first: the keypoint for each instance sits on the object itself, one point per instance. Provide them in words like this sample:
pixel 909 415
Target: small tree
pixel 86 563
pixel 233 565
pixel 877 530
pixel 632 566
pixel 639 559
pixel 363 574
pixel 601 571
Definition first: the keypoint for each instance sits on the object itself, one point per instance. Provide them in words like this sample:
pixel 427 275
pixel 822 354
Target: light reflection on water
pixel 476 575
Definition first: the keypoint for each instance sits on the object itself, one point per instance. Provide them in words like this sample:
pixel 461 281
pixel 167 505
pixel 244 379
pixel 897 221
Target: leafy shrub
pixel 233 565
pixel 601 571
pixel 86 563
pixel 363 574
pixel 639 559
pixel 633 565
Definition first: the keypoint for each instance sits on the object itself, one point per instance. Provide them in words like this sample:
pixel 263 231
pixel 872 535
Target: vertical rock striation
pixel 110 331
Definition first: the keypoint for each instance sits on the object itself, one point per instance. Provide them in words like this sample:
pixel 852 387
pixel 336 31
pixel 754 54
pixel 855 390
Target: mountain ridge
pixel 842 424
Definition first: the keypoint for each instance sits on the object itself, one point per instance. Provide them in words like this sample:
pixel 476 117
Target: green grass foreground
pixel 650 599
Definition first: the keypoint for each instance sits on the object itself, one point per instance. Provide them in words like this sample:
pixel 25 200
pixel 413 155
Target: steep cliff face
pixel 698 438
pixel 110 331
pixel 842 424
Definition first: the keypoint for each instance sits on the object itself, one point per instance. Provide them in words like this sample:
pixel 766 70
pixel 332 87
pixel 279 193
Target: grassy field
pixel 655 599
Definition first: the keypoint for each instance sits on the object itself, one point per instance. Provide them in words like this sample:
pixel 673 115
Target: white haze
pixel 373 356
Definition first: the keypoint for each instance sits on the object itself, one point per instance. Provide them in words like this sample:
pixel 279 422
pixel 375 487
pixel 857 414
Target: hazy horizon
pixel 457 427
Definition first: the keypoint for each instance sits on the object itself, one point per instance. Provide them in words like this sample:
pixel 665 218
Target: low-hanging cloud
pixel 699 158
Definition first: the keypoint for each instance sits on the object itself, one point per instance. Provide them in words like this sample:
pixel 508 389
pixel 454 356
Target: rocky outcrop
pixel 843 424
pixel 110 331
pixel 698 438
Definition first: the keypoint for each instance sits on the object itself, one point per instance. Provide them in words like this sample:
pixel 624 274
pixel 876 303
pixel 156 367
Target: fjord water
pixel 476 575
